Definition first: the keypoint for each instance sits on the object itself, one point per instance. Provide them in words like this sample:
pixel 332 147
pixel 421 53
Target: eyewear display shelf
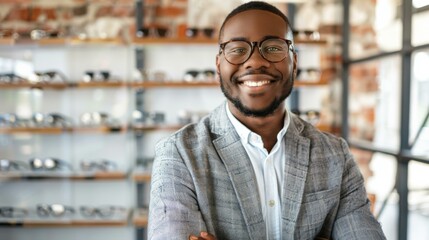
pixel 33 221
pixel 141 177
pixel 59 41
pixel 68 175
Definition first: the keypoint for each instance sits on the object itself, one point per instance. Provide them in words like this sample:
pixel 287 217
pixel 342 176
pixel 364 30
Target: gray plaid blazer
pixel 203 180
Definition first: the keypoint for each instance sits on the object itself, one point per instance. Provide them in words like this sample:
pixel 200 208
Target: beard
pixel 269 110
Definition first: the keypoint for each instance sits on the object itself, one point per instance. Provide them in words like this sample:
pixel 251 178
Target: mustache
pixel 234 79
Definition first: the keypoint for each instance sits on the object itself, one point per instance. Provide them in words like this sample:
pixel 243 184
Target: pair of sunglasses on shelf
pixel 96 76
pixel 193 32
pixel 51 120
pixel 11 78
pixel 46 77
pixel 308 74
pixel 96 119
pixel 38 34
pixel 7 165
pixel 103 212
pixel 196 75
pixel 34 78
pixel 35 164
pixel 49 164
pixel 13 212
pixel 306 34
pixel 59 210
pixel 36 120
pixel 54 210
pixel 157 32
pixel 144 117
pixel 98 165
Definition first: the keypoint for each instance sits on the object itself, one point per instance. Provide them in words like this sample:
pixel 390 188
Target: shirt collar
pixel 244 132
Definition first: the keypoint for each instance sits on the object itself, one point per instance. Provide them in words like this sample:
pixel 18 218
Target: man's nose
pixel 256 59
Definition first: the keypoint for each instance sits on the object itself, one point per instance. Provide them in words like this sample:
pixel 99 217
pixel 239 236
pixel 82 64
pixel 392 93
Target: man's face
pixel 257 87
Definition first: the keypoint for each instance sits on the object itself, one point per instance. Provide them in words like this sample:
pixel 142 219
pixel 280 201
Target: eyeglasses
pixel 37 120
pixel 10 78
pixel 147 118
pixel 98 119
pixel 51 120
pixel 96 76
pixel 56 210
pixel 194 32
pixel 7 165
pixel 101 165
pixel 195 75
pixel 46 77
pixel 271 49
pixel 308 74
pixel 13 212
pixel 38 164
pixel 104 212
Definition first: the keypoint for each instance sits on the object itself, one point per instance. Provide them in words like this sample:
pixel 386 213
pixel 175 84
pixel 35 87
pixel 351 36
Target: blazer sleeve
pixel 354 219
pixel 173 207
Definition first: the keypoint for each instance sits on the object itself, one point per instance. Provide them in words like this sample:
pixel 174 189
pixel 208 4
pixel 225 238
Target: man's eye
pixel 273 49
pixel 237 51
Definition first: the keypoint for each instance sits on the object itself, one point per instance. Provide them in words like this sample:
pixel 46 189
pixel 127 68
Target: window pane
pixel 420 22
pixel 419 123
pixel 374 102
pixel 380 183
pixel 375 26
pixel 418 201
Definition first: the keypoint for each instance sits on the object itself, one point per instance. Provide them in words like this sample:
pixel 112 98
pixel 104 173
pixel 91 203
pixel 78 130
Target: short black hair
pixel 254 5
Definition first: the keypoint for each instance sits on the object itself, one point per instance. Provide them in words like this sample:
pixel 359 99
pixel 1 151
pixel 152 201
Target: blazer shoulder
pixel 325 140
pixel 190 136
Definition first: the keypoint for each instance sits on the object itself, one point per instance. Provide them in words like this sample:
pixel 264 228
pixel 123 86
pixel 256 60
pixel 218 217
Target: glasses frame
pixel 54 210
pixel 13 212
pixel 252 49
pixel 7 165
pixel 59 165
pixel 103 165
pixel 102 212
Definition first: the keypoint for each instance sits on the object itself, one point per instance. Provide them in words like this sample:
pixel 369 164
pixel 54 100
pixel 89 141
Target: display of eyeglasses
pixel 51 168
pixel 91 177
pixel 62 215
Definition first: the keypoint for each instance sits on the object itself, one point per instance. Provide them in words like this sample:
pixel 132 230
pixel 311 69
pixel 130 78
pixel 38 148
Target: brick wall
pixel 91 19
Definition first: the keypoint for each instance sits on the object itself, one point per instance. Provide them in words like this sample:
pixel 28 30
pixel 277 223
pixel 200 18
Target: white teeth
pixel 255 84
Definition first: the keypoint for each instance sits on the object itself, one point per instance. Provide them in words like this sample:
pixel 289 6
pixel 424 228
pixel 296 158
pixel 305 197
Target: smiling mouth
pixel 256 83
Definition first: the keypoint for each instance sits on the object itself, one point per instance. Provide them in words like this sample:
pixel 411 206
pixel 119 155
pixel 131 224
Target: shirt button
pixel 271 203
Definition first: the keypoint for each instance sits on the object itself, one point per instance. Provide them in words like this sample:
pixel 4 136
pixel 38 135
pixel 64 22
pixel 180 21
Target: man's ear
pixel 295 64
pixel 218 64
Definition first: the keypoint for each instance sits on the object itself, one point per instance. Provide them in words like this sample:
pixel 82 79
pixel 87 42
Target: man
pixel 252 169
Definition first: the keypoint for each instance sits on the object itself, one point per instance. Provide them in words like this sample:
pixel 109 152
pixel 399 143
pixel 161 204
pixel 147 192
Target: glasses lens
pixel 43 210
pixel 87 211
pixel 237 52
pixel 50 163
pixel 106 211
pixel 37 163
pixel 274 50
pixel 4 165
pixel 6 211
pixel 59 210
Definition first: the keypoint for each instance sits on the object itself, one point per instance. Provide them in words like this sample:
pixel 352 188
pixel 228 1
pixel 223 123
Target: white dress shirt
pixel 268 170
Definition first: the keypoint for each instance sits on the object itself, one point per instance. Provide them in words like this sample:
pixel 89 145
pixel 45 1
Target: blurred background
pixel 87 88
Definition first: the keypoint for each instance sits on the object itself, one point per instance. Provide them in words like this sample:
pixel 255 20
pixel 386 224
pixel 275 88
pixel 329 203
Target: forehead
pixel 254 25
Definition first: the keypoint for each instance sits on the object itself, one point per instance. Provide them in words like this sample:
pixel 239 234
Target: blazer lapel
pixel 296 167
pixel 241 173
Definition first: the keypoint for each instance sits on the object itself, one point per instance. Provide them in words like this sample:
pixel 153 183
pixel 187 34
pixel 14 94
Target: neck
pixel 267 127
